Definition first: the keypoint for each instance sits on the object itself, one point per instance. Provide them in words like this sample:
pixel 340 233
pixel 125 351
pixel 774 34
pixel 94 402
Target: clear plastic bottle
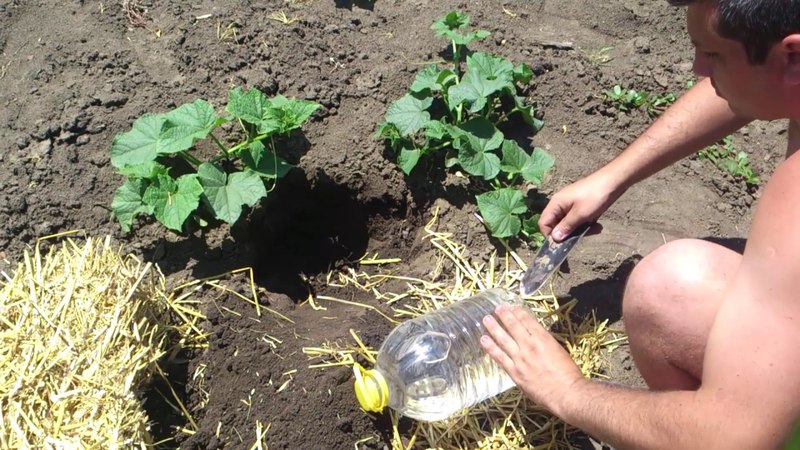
pixel 432 366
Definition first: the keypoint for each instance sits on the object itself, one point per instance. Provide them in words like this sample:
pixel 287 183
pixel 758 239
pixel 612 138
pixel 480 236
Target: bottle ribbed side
pixel 478 376
pixel 434 364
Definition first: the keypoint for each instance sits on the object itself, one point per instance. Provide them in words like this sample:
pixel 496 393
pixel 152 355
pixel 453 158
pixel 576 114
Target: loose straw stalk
pixel 82 329
pixel 508 421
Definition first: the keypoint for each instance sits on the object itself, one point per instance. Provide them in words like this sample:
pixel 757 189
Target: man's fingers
pixel 497 353
pixel 567 225
pixel 501 337
pixel 516 328
pixel 550 217
pixel 527 320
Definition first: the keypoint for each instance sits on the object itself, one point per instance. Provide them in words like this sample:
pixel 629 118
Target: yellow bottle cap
pixel 371 389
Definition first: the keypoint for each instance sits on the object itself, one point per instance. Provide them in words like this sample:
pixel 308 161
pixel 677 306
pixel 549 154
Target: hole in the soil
pixel 307 230
pixel 159 403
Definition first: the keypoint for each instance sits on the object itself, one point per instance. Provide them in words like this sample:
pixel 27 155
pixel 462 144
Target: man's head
pixel 751 51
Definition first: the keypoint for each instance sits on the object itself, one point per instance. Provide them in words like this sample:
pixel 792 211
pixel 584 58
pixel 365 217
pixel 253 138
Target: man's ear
pixel 790 49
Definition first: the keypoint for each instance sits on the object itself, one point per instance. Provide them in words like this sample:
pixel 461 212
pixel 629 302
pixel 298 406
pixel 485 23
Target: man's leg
pixel 670 302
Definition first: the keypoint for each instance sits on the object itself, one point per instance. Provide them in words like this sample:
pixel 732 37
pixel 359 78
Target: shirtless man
pixel 714 333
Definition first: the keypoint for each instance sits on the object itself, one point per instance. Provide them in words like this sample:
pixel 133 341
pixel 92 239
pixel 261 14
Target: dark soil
pixel 73 74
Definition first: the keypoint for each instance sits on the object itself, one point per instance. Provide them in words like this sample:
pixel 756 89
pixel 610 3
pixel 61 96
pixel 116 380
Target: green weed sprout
pixel 627 100
pixel 725 156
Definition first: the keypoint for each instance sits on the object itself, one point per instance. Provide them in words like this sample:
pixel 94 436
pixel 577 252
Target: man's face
pixel 751 91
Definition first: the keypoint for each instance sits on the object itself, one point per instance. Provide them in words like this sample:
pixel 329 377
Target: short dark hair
pixel 756 24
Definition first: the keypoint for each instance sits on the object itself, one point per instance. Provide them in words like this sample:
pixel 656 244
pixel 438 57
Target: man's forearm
pixel 634 419
pixel 699 118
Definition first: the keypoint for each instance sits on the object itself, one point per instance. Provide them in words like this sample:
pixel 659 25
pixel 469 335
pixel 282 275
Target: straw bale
pixel 82 328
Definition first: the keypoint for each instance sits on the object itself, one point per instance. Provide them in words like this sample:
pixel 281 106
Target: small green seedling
pixel 457 110
pixel 600 56
pixel 725 156
pixel 166 179
pixel 627 100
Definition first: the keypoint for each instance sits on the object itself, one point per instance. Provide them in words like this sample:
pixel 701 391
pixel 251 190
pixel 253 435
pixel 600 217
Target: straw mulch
pixel 508 421
pixel 82 328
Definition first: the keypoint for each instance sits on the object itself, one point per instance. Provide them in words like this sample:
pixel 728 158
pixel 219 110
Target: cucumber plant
pixel 167 179
pixel 457 109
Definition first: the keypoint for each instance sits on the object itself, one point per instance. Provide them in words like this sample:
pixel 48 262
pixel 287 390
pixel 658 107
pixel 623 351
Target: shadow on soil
pixel 349 4
pixel 301 230
pixel 307 229
pixel 604 295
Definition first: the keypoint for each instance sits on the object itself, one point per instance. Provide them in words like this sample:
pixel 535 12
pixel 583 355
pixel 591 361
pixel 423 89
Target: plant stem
pixel 219 144
pixel 457 71
pixel 244 144
pixel 456 65
pixel 274 164
pixel 440 146
pixel 190 158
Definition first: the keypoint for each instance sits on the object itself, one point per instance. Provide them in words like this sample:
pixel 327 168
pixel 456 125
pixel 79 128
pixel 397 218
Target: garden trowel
pixel 548 258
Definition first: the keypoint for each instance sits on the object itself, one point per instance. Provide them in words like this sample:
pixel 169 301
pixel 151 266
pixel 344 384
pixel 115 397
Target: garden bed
pixel 74 75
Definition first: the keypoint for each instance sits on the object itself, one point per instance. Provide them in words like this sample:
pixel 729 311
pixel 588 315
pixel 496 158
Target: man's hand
pixel 580 202
pixel 535 360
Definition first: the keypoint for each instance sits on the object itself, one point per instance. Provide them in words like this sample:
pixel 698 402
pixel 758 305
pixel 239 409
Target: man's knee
pixel 667 279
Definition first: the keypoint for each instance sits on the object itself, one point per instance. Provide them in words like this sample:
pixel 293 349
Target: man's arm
pixel 699 118
pixel 750 392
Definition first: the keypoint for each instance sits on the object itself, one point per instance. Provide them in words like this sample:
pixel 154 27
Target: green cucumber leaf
pixel 435 130
pixel 532 167
pixel 523 74
pixel 128 203
pixel 427 78
pixel 408 158
pixel 255 151
pixel 473 90
pixel 149 169
pixel 526 111
pixel 140 144
pixel 227 193
pixel 286 114
pixel 446 27
pixel 728 165
pixel 500 210
pixel 537 166
pixel 409 113
pixel 387 130
pixel 446 78
pixel 530 228
pixel 530 225
pixel 491 67
pixel 475 141
pixel 173 201
pixel 478 163
pixel 265 162
pixel 481 134
pixel 464 39
pixel 514 157
pixel 247 106
pixel 186 124
pixel 454 20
